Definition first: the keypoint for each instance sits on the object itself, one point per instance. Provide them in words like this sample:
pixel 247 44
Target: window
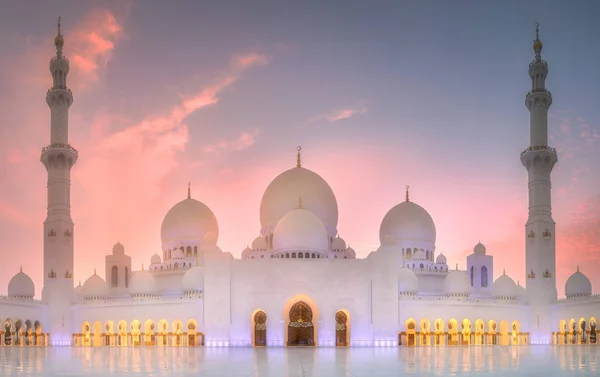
pixel 114 276
pixel 472 274
pixel 126 277
pixel 484 276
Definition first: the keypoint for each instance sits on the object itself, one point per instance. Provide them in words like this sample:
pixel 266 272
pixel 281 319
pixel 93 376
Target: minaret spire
pixel 407 187
pixel 299 157
pixel 59 41
pixel 189 190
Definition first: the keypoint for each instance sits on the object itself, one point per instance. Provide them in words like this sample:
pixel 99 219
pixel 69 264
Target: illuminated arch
pixel 177 339
pixel 493 333
pixel 315 315
pixel 452 332
pixel 149 337
pixel 411 332
pixel 504 337
pixel 572 331
pixel 109 328
pixel 97 338
pixel 192 333
pixel 439 327
pixel 122 337
pixel 258 319
pixel 515 329
pixel 593 331
pixel 425 327
pixel 562 332
pixel 136 330
pixel 479 332
pixel 466 332
pixel 342 327
pixel 163 332
pixel 86 333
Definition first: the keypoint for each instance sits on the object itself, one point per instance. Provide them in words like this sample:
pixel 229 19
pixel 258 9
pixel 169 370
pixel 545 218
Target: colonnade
pixel 574 332
pixel 22 334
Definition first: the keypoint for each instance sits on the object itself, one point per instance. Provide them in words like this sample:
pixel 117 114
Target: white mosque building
pixel 299 284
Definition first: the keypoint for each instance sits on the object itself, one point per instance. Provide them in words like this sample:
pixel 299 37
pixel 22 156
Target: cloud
pixel 245 140
pixel 341 113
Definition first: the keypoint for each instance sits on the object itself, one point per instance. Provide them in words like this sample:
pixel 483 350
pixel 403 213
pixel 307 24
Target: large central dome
pixel 188 220
pixel 408 221
pixel 281 196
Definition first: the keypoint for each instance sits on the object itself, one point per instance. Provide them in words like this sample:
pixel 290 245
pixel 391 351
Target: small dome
pixel 407 281
pixel 479 249
pixel 350 253
pixel 338 244
pixel 142 283
pixel 300 229
pixel 210 238
pixel 78 291
pixel 521 292
pixel 21 285
pixel 457 283
pixel 118 249
pixel 247 253
pixel 259 243
pixel 408 221
pixel 188 220
pixel 420 255
pixel 155 259
pixel 504 287
pixel 95 287
pixel 441 259
pixel 578 285
pixel 388 240
pixel 193 280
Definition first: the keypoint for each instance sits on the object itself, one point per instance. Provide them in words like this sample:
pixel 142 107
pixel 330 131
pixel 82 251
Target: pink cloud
pixel 245 140
pixel 346 113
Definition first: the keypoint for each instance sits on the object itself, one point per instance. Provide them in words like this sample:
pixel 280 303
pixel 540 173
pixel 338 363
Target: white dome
pixel 300 229
pixel 210 238
pixel 21 285
pixel 441 259
pixel 188 220
pixel 457 283
pixel 95 286
pixel 521 292
pixel 259 243
pixel 78 291
pixel 118 249
pixel 420 255
pixel 338 244
pixel 407 281
pixel 388 240
pixel 193 280
pixel 155 259
pixel 247 253
pixel 408 222
pixel 479 249
pixel 350 253
pixel 578 285
pixel 281 196
pixel 504 287
pixel 142 283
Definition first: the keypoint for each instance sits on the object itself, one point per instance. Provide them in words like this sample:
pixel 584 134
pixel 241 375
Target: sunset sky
pixel 379 94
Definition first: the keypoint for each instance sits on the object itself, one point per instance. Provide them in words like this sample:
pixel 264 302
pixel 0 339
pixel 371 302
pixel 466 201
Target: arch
pixel 504 339
pixel 109 327
pixel 582 327
pixel 572 328
pixel 149 337
pixel 8 332
pixel 492 332
pixel 484 277
pixel 18 332
pixel 122 338
pixel 307 331
pixel 97 338
pixel 411 332
pixel 163 332
pixel 479 332
pixel 515 329
pixel 188 251
pixel 114 276
pixel 342 328
pixel 37 339
pixel 439 327
pixel 472 274
pixel 136 329
pixel 425 327
pixel 86 332
pixel 258 319
pixel 466 332
pixel 28 333
pixel 593 330
pixel 177 339
pixel 562 332
pixel 452 332
pixel 192 333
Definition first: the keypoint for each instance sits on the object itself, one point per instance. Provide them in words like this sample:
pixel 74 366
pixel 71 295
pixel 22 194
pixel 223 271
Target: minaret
pixel 539 159
pixel 58 159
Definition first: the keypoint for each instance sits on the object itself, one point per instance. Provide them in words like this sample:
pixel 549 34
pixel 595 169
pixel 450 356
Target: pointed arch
pixel 411 332
pixel 466 332
pixel 452 332
pixel 515 328
pixel 192 333
pixel 86 332
pixel 593 331
pixel 259 328
pixel 312 312
pixel 562 332
pixel 136 330
pixel 493 332
pixel 122 337
pixel 425 327
pixel 472 275
pixel 163 333
pixel 504 338
pixel 114 276
pixel 109 333
pixel 439 328
pixel 97 336
pixel 149 337
pixel 479 332
pixel 342 328
pixel 177 333
pixel 484 277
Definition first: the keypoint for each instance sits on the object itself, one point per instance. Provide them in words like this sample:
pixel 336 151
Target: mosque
pixel 300 283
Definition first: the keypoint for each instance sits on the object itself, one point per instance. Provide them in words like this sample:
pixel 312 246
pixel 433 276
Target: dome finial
pixel 457 267
pixel 577 268
pixel 142 267
pixel 300 202
pixel 537 44
pixel 504 272
pixel 298 157
pixel 407 187
pixel 94 272
pixel 21 269
pixel 59 41
pixel 189 190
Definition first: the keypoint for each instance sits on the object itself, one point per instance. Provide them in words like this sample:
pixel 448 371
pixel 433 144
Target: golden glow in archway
pixel 314 312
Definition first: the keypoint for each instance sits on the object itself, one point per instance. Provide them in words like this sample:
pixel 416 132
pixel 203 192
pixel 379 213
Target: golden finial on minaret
pixel 59 41
pixel 189 190
pixel 300 202
pixel 537 44
pixel 407 187
pixel 298 157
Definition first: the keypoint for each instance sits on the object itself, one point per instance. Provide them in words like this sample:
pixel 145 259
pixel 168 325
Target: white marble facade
pixel 299 282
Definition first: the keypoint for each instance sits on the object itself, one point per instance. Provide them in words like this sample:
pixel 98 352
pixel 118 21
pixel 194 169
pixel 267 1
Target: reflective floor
pixel 291 362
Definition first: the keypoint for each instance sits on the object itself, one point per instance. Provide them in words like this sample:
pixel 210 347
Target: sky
pixel 379 94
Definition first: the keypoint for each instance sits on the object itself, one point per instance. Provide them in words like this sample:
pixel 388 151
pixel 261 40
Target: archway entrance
pixel 301 331
pixel 260 329
pixel 341 329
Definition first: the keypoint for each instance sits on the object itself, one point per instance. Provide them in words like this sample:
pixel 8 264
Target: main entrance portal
pixel 301 331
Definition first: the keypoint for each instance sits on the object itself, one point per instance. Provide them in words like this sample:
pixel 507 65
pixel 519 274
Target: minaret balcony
pixel 53 151
pixel 536 91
